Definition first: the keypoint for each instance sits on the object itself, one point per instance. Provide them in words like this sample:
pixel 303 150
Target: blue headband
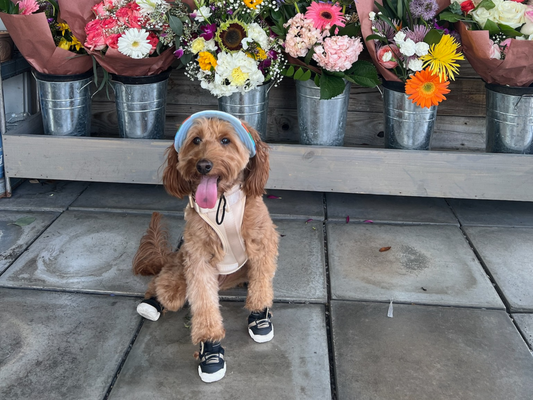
pixel 241 130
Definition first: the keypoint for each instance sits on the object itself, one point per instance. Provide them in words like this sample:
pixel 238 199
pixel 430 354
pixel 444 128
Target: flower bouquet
pixel 127 37
pixel 407 46
pixel 227 46
pixel 497 38
pixel 43 37
pixel 322 41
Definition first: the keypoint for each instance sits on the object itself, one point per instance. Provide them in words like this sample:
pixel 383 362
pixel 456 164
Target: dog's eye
pixel 197 140
pixel 225 141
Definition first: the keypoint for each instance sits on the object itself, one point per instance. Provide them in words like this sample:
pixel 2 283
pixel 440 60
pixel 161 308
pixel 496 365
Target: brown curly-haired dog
pixel 211 148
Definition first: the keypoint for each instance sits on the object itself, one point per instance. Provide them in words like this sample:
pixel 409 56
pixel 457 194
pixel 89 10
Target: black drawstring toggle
pixel 223 210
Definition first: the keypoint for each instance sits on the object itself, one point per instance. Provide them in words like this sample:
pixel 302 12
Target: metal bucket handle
pixel 521 97
pixel 79 90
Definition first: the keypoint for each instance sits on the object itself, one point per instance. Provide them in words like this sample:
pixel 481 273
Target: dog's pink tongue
pixel 206 193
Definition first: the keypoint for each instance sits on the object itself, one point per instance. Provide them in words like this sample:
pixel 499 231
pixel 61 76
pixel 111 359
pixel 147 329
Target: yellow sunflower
pixel 442 58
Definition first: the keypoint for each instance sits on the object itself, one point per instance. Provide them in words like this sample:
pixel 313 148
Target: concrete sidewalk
pixel 459 274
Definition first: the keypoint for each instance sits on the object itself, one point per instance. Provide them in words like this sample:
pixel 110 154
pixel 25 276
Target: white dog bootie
pixel 260 327
pixel 212 366
pixel 150 309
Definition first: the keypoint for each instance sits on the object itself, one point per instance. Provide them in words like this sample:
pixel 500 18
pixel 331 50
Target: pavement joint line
pixel 124 358
pixel 29 244
pixel 329 326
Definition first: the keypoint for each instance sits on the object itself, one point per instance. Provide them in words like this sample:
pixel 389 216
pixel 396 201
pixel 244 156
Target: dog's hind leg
pixel 171 287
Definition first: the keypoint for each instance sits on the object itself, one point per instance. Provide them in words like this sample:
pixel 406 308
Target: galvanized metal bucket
pixel 65 103
pixel 509 122
pixel 407 126
pixel 251 107
pixel 321 122
pixel 141 105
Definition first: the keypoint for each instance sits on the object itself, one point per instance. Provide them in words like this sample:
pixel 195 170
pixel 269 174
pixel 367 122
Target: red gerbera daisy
pixel 325 15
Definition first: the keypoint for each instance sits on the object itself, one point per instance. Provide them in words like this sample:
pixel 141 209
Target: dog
pixel 222 165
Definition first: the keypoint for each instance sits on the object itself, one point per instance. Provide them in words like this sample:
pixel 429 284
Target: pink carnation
pixel 95 35
pixel 302 35
pixel 130 15
pixel 338 53
pixel 99 9
pixel 154 40
pixel 27 7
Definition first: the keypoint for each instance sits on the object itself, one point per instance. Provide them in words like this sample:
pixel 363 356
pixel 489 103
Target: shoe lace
pixel 263 322
pixel 210 358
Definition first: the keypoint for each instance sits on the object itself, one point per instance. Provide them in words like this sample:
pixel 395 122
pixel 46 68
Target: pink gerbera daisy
pixel 27 7
pixel 325 15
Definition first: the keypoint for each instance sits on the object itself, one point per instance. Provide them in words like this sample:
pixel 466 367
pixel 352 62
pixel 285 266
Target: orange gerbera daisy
pixel 426 89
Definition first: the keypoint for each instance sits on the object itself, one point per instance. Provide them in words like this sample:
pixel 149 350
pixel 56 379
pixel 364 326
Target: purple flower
pixel 272 55
pixel 418 33
pixel 230 12
pixel 178 53
pixel 264 64
pixel 209 31
pixel 425 9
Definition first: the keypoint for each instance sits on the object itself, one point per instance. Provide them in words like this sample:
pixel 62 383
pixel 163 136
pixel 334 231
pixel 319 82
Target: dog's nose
pixel 204 166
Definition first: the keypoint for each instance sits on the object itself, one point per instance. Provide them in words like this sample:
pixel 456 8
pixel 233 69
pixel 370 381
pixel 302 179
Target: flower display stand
pixel 455 167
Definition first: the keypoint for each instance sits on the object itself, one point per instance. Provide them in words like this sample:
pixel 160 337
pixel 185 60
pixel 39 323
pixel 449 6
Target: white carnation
pixel 399 38
pixel 421 49
pixel 387 56
pixel 202 13
pixel 408 48
pixel 372 15
pixel 415 65
pixel 240 70
pixel 258 34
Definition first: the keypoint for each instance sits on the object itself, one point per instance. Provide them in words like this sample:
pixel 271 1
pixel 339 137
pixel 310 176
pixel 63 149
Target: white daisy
pixel 134 43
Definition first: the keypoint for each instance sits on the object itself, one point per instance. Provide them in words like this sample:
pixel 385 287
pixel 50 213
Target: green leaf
pixel 364 74
pixel 289 71
pixel 24 221
pixel 350 30
pixel 492 27
pixel 383 16
pixel 433 36
pixel 486 4
pixel 278 31
pixel 306 76
pixel 309 55
pixel 317 80
pixel 297 75
pixel 330 86
pixel 450 17
pixel 176 25
pixel 377 37
pixel 508 31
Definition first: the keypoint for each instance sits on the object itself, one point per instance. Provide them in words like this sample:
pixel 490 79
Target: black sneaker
pixel 259 326
pixel 150 309
pixel 212 366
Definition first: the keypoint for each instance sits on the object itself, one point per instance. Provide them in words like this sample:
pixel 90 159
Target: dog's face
pixel 212 160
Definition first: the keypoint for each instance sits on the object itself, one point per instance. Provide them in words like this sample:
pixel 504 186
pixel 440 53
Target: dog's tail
pixel 154 250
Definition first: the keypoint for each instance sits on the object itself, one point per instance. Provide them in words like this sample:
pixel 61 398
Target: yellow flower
pixel 64 44
pixel 252 3
pixel 238 77
pixel 198 45
pixel 442 58
pixel 76 43
pixel 62 27
pixel 206 60
pixel 257 54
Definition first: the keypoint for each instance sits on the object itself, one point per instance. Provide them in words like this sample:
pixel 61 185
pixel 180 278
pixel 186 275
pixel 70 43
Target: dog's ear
pixel 256 174
pixel 173 182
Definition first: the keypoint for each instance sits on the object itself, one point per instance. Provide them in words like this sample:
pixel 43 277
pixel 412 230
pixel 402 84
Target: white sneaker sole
pixel 147 311
pixel 262 338
pixel 210 378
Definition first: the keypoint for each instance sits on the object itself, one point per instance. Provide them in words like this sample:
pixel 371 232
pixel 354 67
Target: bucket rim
pixel 142 80
pixel 394 86
pixel 509 90
pixel 62 78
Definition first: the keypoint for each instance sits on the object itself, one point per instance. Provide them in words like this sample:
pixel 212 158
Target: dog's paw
pixel 212 366
pixel 150 309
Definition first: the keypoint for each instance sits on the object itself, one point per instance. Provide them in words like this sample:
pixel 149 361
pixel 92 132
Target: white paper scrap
pixel 390 312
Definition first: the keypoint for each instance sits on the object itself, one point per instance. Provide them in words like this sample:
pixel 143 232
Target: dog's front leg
pixel 202 293
pixel 262 262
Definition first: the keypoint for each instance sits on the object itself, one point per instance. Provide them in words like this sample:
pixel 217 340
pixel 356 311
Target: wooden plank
pixel 293 167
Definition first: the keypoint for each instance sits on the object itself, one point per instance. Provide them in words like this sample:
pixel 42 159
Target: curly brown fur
pixel 154 251
pixel 191 273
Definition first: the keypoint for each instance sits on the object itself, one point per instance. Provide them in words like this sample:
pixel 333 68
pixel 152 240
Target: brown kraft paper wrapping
pixel 78 13
pixel 31 34
pixel 515 70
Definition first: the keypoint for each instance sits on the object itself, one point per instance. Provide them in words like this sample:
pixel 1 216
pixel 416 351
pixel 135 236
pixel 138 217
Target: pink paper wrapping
pixel 32 36
pixel 515 70
pixel 79 13
pixel 363 9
